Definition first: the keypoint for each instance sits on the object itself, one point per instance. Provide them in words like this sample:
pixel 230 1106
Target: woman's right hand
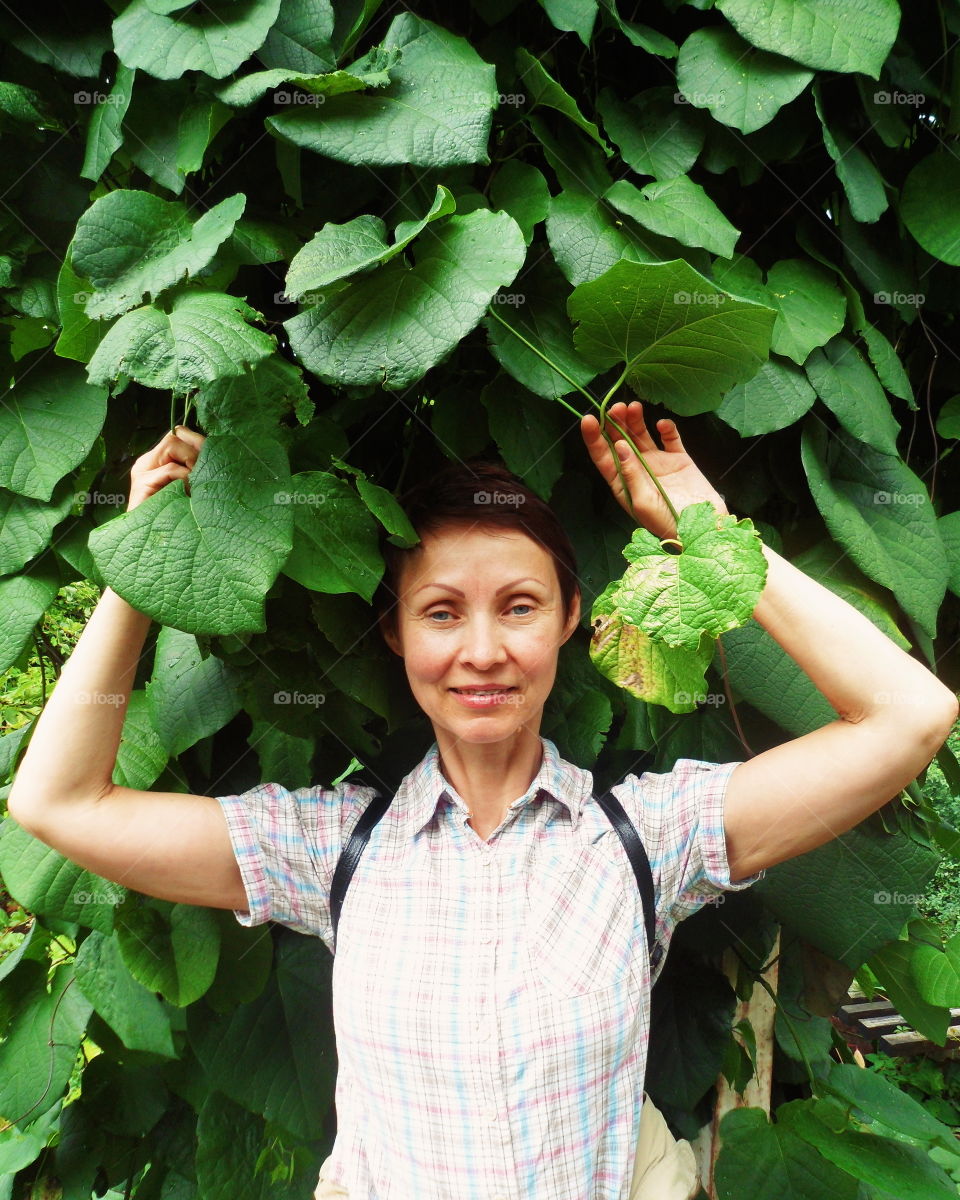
pixel 173 457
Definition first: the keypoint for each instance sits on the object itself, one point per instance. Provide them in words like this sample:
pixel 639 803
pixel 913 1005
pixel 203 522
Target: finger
pixel 630 418
pixel 186 434
pixel 669 434
pixel 598 449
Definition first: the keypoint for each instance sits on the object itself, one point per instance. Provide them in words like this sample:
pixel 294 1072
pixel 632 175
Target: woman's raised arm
pixel 170 845
pixel 893 714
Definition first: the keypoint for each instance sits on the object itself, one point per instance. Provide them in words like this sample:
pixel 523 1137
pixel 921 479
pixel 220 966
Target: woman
pixel 491 986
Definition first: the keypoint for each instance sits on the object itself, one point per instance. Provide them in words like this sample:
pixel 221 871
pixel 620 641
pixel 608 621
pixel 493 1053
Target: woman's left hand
pixel 677 473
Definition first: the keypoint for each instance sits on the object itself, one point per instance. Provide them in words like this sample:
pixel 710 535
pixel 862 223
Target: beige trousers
pixel 664 1168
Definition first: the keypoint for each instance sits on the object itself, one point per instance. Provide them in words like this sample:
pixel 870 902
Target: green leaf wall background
pixel 334 235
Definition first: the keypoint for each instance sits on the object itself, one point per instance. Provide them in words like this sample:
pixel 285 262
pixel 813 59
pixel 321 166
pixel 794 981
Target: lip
pixel 474 699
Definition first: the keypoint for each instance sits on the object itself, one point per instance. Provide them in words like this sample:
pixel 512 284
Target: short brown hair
pixel 479 492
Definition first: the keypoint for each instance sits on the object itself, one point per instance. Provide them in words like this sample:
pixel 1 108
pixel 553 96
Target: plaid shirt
pixel 491 999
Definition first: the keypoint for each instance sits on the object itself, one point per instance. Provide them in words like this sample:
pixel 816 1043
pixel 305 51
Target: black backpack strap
pixel 350 855
pixel 627 833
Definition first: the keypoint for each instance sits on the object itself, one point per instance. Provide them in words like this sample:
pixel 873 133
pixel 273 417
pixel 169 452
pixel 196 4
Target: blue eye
pixel 440 612
pixel 516 606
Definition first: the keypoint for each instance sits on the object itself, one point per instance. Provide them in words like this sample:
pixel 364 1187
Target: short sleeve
pixel 680 817
pixel 287 844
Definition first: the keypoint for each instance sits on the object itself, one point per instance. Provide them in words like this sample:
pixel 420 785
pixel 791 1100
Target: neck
pixel 490 776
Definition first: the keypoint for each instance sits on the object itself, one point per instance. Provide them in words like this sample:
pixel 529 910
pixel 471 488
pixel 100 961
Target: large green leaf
pixel 689 1032
pixel 265 1055
pixel 832 36
pixel 244 91
pixel 132 1011
pixel 847 386
pixel 587 237
pixel 768 1162
pixel 775 397
pixel 894 965
pixel 214 38
pixel 79 336
pixel 402 320
pixel 929 206
pixel 528 431
pixel 521 190
pixel 189 697
pixel 26 525
pixel 141 756
pixel 880 513
pixel 861 180
pixel 338 251
pixel 129 244
pixel 105 131
pixel 536 309
pixel 575 16
pixel 231 1143
pixel 434 112
pixel 880 1099
pixel 906 1171
pixel 202 337
pixel 301 37
pixel 540 88
pixel 633 660
pixel 655 135
pixel 40 1050
pixel 335 543
pixel 48 426
pixel 255 403
pixel 685 342
pixel 847 897
pixel 203 563
pixel 47 883
pixel 712 585
pixel 23 600
pixel 677 208
pixel 170 948
pixel 740 85
pixel 810 308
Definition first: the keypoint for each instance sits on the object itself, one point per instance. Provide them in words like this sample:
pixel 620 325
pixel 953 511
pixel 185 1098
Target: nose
pixel 483 645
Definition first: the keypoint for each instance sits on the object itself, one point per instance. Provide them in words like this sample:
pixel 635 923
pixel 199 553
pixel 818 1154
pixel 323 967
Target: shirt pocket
pixel 581 936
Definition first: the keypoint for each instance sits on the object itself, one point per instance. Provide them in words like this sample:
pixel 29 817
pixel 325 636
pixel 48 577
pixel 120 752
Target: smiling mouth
pixel 482 691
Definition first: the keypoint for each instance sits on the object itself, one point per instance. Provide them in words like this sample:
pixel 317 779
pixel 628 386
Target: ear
pixel 573 620
pixel 389 632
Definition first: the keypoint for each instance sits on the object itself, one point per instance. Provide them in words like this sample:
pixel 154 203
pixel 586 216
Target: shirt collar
pixel 425 787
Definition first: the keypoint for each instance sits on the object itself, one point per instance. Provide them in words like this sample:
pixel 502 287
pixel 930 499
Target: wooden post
pixel 761 1011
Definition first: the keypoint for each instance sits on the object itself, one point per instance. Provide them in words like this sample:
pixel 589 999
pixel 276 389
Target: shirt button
pixel 486 938
pixel 491 1114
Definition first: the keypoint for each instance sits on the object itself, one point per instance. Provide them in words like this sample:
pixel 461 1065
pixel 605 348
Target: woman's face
pixel 479 624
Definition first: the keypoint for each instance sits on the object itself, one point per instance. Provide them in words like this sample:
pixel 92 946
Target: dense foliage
pixel 347 244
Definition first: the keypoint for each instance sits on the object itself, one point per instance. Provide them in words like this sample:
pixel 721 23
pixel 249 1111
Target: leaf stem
pixel 602 406
pixel 789 1023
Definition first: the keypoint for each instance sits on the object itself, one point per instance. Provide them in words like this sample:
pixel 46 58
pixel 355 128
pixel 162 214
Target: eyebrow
pixel 506 587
